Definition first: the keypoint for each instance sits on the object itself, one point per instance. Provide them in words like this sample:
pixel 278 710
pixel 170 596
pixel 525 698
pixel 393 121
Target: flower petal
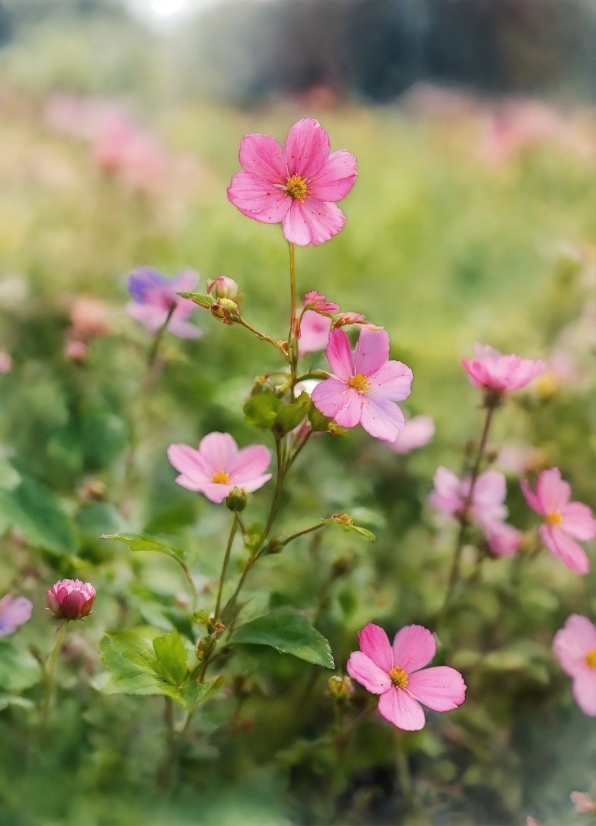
pixel 219 450
pixel 307 148
pixel 440 688
pixel 330 396
pixel 216 493
pixel 392 381
pixel 416 433
pixel 184 282
pixel 382 418
pixel 261 155
pixel 562 545
pixel 362 668
pixel 144 280
pixel 573 642
pixel 413 647
pixel 258 199
pixel 336 178
pixel 374 642
pixel 190 463
pixel 312 222
pixel 401 709
pixel 584 691
pixel 249 463
pixel 372 351
pixel 530 496
pixel 579 521
pixel 183 329
pixel 255 484
pixel 552 492
pixel 339 355
pixel 350 413
pixel 314 332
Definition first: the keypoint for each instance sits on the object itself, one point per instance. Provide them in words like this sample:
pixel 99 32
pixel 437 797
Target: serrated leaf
pixel 291 415
pixel 36 512
pixel 262 409
pixel 289 632
pixel 347 524
pixel 171 656
pixel 144 542
pixel 19 669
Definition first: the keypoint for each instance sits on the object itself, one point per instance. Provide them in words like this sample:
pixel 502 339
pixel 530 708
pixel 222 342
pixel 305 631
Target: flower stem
pixel 263 337
pixel 292 343
pixel 168 769
pixel 160 334
pixel 224 567
pixel 50 669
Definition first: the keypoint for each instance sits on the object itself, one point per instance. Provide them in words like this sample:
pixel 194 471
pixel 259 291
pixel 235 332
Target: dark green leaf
pixel 262 409
pixel 199 298
pixel 36 512
pixel 289 632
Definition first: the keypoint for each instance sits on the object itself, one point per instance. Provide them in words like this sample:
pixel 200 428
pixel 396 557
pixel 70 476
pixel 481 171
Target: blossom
pixel 565 521
pixel 123 149
pixel 417 432
pixel 365 385
pixel 297 185
pixel 583 803
pixel 13 613
pixel 88 317
pixel 75 350
pixel 319 304
pixel 70 599
pixel 223 287
pixel 154 294
pixel 5 362
pixel 217 467
pixel 497 374
pixel 343 319
pixel 313 333
pixel 574 646
pixel 394 673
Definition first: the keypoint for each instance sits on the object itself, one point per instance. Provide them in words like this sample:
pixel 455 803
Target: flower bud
pixel 340 688
pixel 237 499
pixel 276 544
pixel 70 599
pixel 205 646
pixel 223 287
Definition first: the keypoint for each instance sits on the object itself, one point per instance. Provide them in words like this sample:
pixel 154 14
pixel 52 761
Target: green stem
pixel 263 337
pixel 160 334
pixel 292 343
pixel 303 533
pixel 224 567
pixel 193 590
pixel 168 770
pixel 49 675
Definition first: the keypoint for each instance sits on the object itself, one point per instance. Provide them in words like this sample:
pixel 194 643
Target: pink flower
pixel 565 521
pixel 314 332
pixel 503 539
pixel 583 803
pixel 365 385
pixel 218 466
pixel 13 613
pixel 76 351
pixel 417 432
pixel 497 374
pixel 5 362
pixel 70 599
pixel 123 149
pixel 223 287
pixel 88 317
pixel 297 185
pixel 343 319
pixel 154 294
pixel 394 673
pixel 575 648
pixel 318 304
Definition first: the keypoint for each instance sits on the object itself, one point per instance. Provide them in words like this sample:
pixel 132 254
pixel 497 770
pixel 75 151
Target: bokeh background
pixel 473 219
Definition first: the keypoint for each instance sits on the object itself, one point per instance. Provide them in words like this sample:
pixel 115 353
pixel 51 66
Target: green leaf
pixel 36 512
pixel 19 669
pixel 14 700
pixel 289 632
pixel 199 298
pixel 291 415
pixel 347 524
pixel 171 656
pixel 144 542
pixel 262 409
pixel 319 423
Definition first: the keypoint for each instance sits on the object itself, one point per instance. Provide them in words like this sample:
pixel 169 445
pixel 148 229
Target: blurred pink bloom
pixel 13 613
pixel 154 294
pixel 503 539
pixel 318 304
pixel 70 599
pixel 565 521
pixel 575 648
pixel 343 319
pixel 498 374
pixel 518 459
pixel 583 803
pixel 417 432
pixel 79 117
pixel 297 185
pixel 5 362
pixel 223 287
pixel 76 350
pixel 218 466
pixel 314 332
pixel 394 673
pixel 365 385
pixel 88 317
pixel 124 150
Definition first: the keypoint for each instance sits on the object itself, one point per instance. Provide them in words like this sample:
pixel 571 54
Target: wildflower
pixel 76 350
pixel 318 303
pixel 223 287
pixel 13 614
pixel 365 385
pixel 497 374
pixel 394 673
pixel 70 599
pixel 123 149
pixel 297 186
pixel 217 467
pixel 314 332
pixel 565 521
pixel 417 432
pixel 583 803
pixel 88 317
pixel 574 646
pixel 5 362
pixel 153 296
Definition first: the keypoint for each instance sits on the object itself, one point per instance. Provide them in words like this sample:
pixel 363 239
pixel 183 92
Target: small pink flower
pixel 497 374
pixel 297 185
pixel 575 648
pixel 223 287
pixel 565 521
pixel 365 385
pixel 503 539
pixel 218 466
pixel 417 432
pixel 89 318
pixel 313 333
pixel 394 673
pixel 13 614
pixel 76 351
pixel 583 803
pixel 154 294
pixel 70 599
pixel 318 303
pixel 5 362
pixel 125 150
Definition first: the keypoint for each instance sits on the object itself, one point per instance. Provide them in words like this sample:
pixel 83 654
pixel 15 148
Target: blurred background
pixel 473 218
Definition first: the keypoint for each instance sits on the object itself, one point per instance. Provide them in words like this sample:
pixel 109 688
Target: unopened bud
pixel 276 544
pixel 340 688
pixel 205 646
pixel 237 499
pixel 223 287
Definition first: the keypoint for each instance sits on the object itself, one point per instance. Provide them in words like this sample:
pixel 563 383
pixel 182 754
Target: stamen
pixel 398 677
pixel 554 518
pixel 221 478
pixel 296 188
pixel 359 382
pixel 591 659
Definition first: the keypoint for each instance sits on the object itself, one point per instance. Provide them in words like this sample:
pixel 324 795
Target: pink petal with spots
pixel 374 642
pixel 382 418
pixel 250 463
pixel 307 148
pixel 413 647
pixel 372 351
pixel 562 545
pixel 392 381
pixel 401 709
pixel 312 222
pixel 579 521
pixel 219 450
pixel 573 642
pixel 339 355
pixel 362 668
pixel 552 492
pixel 350 413
pixel 336 178
pixel 440 688
pixel 330 396
pixel 261 155
pixel 258 199
pixel 190 463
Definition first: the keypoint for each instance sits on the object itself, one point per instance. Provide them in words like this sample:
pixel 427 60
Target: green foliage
pixel 36 512
pixel 19 670
pixel 143 542
pixel 289 632
pixel 262 409
pixel 347 524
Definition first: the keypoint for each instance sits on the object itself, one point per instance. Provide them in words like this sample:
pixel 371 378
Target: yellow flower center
pixel 554 518
pixel 398 677
pixel 359 382
pixel 296 188
pixel 221 478
pixel 591 658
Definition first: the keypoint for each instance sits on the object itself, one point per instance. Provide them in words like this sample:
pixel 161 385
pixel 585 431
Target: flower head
pixel 313 333
pixel 223 287
pixel 365 385
pixel 497 374
pixel 217 467
pixel 583 803
pixel 395 673
pixel 318 303
pixel 417 432
pixel 297 185
pixel 565 521
pixel 574 646
pixel 70 599
pixel 153 296
pixel 13 614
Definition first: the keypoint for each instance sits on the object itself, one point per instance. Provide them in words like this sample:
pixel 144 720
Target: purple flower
pixel 153 295
pixel 13 613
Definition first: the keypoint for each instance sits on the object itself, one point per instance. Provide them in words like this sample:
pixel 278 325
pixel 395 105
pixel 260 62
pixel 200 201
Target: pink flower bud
pixel 223 287
pixel 70 599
